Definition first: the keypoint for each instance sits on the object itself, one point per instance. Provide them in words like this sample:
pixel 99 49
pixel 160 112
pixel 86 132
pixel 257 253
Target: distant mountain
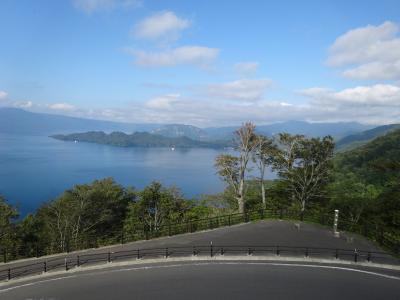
pixel 179 130
pixel 18 121
pixel 336 130
pixel 137 139
pixel 358 139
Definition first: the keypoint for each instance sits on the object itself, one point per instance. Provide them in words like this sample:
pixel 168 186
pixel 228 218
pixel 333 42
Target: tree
pixel 233 169
pixel 305 165
pixel 8 215
pixel 351 196
pixel 263 154
pixel 156 206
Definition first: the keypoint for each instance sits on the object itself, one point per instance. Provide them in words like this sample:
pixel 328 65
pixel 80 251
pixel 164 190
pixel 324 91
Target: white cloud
pixel 162 25
pixel 163 102
pixel 62 107
pixel 371 52
pixel 246 68
pixel 379 95
pixel 91 6
pixel 22 104
pixel 3 95
pixel 186 55
pixel 248 90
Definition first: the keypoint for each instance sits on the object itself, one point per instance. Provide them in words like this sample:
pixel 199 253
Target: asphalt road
pixel 211 280
pixel 262 233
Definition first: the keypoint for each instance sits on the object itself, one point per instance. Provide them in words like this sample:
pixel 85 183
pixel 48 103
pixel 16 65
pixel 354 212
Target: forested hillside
pixel 358 139
pixel 137 139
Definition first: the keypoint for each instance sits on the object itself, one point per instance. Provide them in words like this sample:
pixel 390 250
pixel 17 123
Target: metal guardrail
pixel 68 262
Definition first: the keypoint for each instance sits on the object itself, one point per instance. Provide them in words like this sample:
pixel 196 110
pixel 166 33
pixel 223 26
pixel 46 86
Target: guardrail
pixel 68 262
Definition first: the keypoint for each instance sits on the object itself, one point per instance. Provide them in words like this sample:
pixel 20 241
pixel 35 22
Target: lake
pixel 35 169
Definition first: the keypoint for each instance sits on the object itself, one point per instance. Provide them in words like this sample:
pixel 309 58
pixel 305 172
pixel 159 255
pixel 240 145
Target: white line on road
pixel 201 264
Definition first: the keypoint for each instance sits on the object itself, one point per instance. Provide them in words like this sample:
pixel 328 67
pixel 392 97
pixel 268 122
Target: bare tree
pixel 233 169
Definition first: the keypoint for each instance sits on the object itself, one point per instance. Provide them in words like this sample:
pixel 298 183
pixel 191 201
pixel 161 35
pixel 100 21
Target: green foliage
pixel 353 197
pixel 8 215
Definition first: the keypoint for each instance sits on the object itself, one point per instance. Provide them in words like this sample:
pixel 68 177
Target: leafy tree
pixel 8 215
pixel 155 207
pixel 305 165
pixel 263 155
pixel 353 197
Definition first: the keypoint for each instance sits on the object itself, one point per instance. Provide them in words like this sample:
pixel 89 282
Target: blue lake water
pixel 35 169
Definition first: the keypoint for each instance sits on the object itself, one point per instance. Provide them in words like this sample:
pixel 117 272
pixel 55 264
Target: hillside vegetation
pixel 358 139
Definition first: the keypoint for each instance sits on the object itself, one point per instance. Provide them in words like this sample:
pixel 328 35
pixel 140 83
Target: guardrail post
pixel 355 255
pixel 337 254
pixel 369 257
pixel 66 264
pixel 249 251
pixel 306 253
pixel 278 251
pixel 9 274
pixel 77 261
pixel 166 252
pixel 262 214
pixel 222 251
pixel 138 254
pixel 194 251
pixel 211 250
pixel 45 266
pixel 109 257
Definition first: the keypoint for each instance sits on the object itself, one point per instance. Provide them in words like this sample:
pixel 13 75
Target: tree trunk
pixel 240 197
pixel 263 194
pixel 303 208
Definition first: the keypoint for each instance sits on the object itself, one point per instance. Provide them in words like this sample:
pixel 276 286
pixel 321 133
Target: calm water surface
pixel 35 169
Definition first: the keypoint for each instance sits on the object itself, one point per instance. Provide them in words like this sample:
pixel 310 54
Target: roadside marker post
pixel 335 224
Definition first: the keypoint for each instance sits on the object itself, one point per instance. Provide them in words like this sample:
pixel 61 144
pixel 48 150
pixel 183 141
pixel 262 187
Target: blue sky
pixel 205 63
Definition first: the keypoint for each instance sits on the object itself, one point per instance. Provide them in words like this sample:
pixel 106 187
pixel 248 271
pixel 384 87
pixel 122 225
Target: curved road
pixel 211 280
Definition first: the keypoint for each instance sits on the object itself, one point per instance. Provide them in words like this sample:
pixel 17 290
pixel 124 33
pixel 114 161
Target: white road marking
pixel 201 264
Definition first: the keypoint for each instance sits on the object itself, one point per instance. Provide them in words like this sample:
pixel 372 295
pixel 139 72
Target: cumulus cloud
pixel 62 106
pixel 248 90
pixel 366 96
pixel 162 25
pixel 190 55
pixel 91 6
pixel 246 68
pixel 3 95
pixel 371 52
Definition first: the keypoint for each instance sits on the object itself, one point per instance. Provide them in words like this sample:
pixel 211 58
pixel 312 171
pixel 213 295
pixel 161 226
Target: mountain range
pixel 17 121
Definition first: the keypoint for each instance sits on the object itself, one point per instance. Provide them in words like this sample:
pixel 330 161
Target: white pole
pixel 335 223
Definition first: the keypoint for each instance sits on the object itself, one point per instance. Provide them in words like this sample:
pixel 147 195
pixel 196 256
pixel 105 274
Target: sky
pixel 204 63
